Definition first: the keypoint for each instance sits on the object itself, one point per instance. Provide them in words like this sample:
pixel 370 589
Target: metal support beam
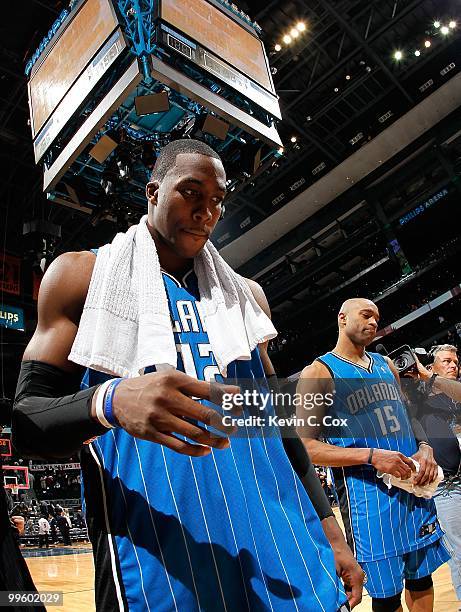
pixel 326 75
pixel 266 9
pixel 328 6
pixel 448 167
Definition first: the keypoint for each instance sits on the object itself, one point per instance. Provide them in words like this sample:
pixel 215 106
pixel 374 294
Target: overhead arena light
pixel 277 47
pixel 385 116
pixel 426 85
pixel 447 69
pixel 427 44
pixel 294 33
pixel 287 39
pixel 452 25
pixel 301 26
pixel 356 138
pixel 417 52
pixel 437 25
pixel 444 30
pixel 398 55
pixel 124 166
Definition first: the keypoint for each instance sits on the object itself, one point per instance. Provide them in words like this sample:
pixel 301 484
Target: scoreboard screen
pixel 52 78
pixel 218 32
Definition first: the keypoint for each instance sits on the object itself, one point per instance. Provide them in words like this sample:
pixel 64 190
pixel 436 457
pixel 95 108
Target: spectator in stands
pixel 63 526
pixel 21 509
pixel 79 520
pixel 43 531
pixel 54 530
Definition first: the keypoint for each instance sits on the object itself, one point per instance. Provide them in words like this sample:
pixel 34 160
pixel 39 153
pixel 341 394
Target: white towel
pixel 126 323
pixel 427 491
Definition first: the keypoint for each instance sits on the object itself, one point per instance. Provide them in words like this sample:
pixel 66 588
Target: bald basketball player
pixel 394 534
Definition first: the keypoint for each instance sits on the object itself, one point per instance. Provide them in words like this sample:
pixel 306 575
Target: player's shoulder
pixel 72 269
pixel 381 360
pixel 258 294
pixel 316 369
pixel 77 262
pixel 66 281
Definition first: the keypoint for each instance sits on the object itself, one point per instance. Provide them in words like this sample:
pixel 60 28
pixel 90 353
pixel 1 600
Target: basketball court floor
pixel 71 571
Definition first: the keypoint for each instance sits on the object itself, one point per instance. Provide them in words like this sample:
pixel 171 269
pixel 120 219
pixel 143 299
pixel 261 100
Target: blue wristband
pixel 108 412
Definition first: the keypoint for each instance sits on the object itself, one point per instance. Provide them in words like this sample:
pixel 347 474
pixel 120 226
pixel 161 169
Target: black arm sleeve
pixel 47 424
pixel 301 463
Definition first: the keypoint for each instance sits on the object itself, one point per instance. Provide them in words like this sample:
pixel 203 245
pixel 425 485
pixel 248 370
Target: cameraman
pixel 438 410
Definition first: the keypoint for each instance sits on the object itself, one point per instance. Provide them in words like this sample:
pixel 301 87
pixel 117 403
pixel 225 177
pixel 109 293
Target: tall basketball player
pixel 175 525
pixel 394 534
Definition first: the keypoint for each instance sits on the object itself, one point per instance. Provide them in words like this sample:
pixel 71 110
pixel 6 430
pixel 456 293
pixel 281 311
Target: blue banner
pixel 12 317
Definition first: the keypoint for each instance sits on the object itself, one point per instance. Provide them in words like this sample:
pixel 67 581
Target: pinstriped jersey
pixel 380 522
pixel 231 531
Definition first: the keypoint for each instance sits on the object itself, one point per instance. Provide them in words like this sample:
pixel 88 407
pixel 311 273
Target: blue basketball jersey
pixel 231 531
pixel 379 522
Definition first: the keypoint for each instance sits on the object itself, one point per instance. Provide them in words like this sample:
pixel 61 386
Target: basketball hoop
pixel 15 477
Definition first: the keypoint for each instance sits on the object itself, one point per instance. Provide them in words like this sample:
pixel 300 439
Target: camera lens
pixel 401 362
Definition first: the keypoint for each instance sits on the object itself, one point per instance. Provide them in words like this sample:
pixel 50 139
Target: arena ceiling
pixel 342 92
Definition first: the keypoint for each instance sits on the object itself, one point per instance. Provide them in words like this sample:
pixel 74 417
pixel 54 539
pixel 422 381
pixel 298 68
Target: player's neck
pixel 349 350
pixel 170 261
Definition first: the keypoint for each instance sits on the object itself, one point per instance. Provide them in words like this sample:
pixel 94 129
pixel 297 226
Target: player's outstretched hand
pixel 392 462
pixel 155 407
pixel 428 468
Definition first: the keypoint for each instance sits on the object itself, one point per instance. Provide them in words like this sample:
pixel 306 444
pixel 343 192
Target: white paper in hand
pixel 427 491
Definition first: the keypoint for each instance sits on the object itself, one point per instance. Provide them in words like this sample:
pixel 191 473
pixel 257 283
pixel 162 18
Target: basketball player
pixel 394 534
pixel 175 525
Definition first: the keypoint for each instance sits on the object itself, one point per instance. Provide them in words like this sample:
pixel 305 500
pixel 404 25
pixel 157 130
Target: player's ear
pixel 342 319
pixel 152 192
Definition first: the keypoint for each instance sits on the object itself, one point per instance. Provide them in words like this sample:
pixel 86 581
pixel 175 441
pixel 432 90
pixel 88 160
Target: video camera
pixel 404 358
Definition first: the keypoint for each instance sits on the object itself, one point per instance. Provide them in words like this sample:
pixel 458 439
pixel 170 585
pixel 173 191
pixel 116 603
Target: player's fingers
pixel 212 392
pixel 197 434
pixel 421 480
pixel 181 446
pixel 400 470
pixel 407 461
pixel 188 407
pixel 434 472
pixel 354 588
pixel 404 470
pixel 422 477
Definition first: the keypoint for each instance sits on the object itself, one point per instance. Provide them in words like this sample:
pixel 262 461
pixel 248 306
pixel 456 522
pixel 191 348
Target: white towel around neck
pixel 126 323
